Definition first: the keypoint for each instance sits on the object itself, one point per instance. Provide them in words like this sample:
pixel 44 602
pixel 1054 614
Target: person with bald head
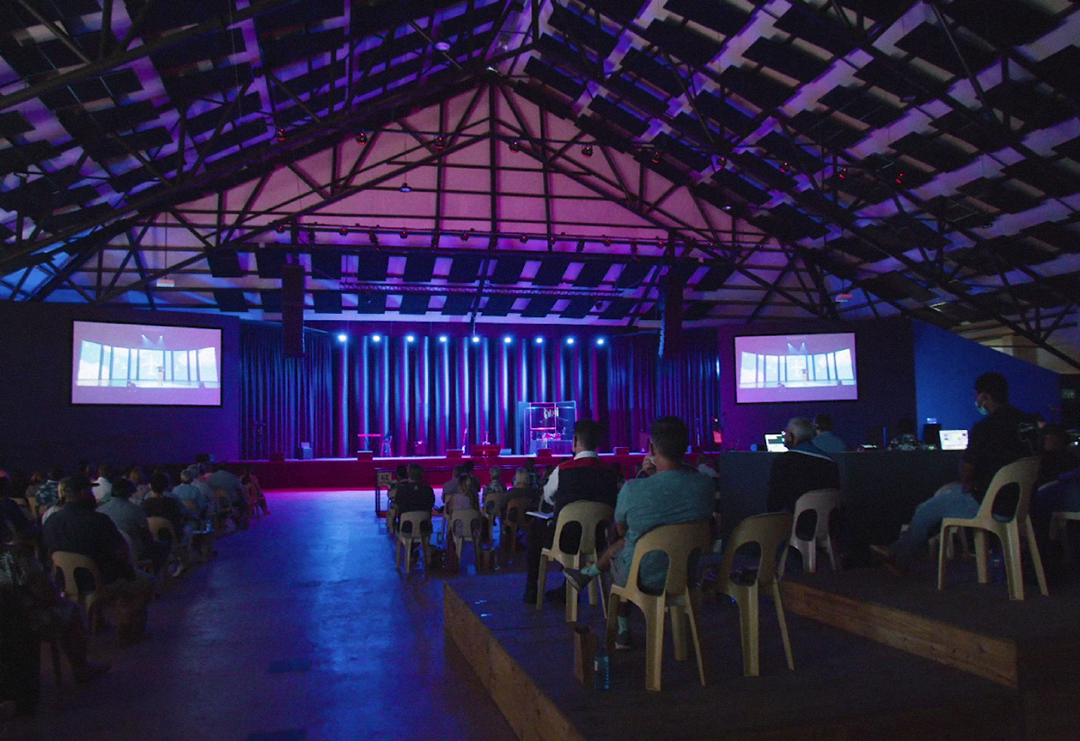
pixel 804 467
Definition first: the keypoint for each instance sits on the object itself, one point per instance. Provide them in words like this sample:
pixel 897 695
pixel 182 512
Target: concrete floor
pixel 300 630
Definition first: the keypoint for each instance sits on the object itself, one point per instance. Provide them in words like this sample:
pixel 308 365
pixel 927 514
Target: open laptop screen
pixel 954 439
pixel 775 443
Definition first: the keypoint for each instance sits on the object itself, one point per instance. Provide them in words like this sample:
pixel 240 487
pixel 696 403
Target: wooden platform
pixel 844 687
pixel 1031 646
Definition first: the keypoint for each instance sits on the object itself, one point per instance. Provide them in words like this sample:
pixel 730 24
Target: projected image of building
pixel 150 366
pixel 797 369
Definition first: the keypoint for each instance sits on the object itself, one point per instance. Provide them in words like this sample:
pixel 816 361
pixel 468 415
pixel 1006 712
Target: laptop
pixel 954 439
pixel 775 443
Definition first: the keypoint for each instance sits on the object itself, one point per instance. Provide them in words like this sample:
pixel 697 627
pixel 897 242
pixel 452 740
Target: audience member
pixel 142 488
pixel 130 519
pixel 993 442
pixel 496 490
pixel 46 610
pixel 251 482
pixel 401 475
pixel 675 494
pixel 78 528
pixel 906 437
pixel 156 504
pixel 102 485
pixel 522 489
pixel 413 495
pixel 225 480
pixel 187 491
pixel 585 477
pixel 14 524
pixel 49 492
pixel 451 487
pixel 824 438
pixel 1057 457
pixel 64 491
pixel 804 467
pixel 37 478
pixel 465 497
pixel 648 467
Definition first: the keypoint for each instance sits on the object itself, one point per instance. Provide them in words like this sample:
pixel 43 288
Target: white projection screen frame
pixel 145 364
pixel 802 367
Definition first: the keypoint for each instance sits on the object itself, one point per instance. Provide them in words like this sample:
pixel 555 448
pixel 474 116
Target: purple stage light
pixel 600 341
pixel 539 340
pixel 569 340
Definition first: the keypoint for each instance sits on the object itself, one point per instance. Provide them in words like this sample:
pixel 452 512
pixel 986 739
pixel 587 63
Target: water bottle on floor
pixel 602 673
pixel 997 566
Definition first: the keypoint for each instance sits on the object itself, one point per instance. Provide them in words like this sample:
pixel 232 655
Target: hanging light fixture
pixel 587 150
pixel 405 187
pixel 361 138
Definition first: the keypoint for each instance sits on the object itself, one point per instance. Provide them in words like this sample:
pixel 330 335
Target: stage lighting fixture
pixel 587 150
pixel 600 341
pixel 440 142
pixel 373 237
pixel 539 340
pixel 515 146
pixel 569 340
pixel 464 236
pixel 280 228
pixel 404 234
pixel 361 138
pixel 523 239
pixel 281 134
pixel 607 241
pixel 475 339
pixel 343 337
pixel 721 163
pixel 899 179
pixel 507 340
pixel 376 338
pixel 442 338
pixel 405 187
pixel 843 173
pixel 784 168
pixel 343 232
pixel 656 157
pixel 442 45
pixel 410 338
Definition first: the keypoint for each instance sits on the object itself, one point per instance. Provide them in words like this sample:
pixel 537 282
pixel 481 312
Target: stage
pixel 845 685
pixel 353 473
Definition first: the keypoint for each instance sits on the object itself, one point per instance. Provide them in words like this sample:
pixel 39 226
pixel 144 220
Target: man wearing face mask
pixel 994 441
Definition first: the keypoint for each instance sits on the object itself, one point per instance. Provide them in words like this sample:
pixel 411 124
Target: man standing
pixel 674 494
pixel 994 442
pixel 804 467
pixel 585 477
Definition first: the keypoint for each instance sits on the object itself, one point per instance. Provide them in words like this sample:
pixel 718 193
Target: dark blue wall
pixel 886 375
pixel 40 427
pixel 946 366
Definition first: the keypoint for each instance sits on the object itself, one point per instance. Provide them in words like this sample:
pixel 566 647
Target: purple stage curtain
pixel 642 387
pixel 285 401
pixel 432 396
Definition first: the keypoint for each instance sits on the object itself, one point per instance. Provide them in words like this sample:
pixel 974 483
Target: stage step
pixel 844 687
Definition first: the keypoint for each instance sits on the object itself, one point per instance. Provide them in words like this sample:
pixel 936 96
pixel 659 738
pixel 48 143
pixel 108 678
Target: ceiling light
pixel 539 340
pixel 280 228
pixel 515 146
pixel 464 236
pixel 404 234
pixel 656 157
pixel 443 338
pixel 343 231
pixel 523 238
pixel 508 339
pixel 842 174
pixel 440 142
pixel 442 45
pixel 587 150
pixel 281 134
pixel 410 338
pixel 405 187
pixel 376 338
pixel 600 341
pixel 569 340
pixel 899 179
pixel 361 138
pixel 475 339
pixel 343 337
pixel 784 168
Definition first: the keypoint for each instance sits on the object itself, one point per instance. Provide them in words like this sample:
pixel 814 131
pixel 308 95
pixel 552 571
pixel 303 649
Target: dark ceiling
pixel 547 161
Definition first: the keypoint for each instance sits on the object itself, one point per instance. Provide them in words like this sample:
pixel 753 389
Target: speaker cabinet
pixel 671 311
pixel 292 310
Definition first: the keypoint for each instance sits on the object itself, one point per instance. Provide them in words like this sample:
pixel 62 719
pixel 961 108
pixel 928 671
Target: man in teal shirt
pixel 676 493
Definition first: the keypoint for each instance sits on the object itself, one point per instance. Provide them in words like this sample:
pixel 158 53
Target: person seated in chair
pixel 585 477
pixel 674 494
pixel 130 519
pixel 79 528
pixel 804 467
pixel 824 438
pixel 413 495
pixel 993 442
